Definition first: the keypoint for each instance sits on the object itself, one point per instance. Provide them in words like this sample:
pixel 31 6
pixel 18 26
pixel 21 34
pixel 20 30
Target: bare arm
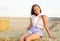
pixel 30 24
pixel 45 24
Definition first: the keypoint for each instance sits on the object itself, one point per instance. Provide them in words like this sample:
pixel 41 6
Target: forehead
pixel 35 7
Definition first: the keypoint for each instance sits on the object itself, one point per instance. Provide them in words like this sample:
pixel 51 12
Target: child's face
pixel 36 10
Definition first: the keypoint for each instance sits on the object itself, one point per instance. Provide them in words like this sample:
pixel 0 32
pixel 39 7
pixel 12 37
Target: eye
pixel 37 8
pixel 34 10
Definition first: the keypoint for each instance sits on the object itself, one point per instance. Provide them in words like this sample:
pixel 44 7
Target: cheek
pixel 35 11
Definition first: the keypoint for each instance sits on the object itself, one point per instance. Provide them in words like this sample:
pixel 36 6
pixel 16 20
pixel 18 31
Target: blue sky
pixel 21 8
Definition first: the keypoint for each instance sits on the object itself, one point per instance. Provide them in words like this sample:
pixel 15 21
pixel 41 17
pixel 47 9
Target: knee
pixel 21 38
pixel 28 39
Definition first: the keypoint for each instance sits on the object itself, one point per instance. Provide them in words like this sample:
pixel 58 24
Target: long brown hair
pixel 32 10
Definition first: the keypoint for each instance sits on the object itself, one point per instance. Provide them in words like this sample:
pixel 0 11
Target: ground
pixel 19 25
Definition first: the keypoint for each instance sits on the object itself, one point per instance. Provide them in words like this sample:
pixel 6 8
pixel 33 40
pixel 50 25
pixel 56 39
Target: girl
pixel 37 23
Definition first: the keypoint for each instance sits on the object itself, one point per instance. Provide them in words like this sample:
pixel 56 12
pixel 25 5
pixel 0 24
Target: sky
pixel 22 8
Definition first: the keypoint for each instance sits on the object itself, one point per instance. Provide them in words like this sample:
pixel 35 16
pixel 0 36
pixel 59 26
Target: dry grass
pixel 19 25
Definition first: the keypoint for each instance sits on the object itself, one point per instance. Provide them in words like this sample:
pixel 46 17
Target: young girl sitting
pixel 37 23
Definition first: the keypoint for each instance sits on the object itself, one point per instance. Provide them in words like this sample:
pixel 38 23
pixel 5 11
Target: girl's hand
pixel 53 37
pixel 50 36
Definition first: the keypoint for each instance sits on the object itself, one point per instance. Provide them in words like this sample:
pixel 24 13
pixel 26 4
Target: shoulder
pixel 44 17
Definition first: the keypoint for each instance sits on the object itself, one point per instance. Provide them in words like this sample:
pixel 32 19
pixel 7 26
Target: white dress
pixel 37 25
pixel 37 21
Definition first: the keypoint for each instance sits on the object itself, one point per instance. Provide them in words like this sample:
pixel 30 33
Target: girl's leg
pixel 23 36
pixel 32 37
